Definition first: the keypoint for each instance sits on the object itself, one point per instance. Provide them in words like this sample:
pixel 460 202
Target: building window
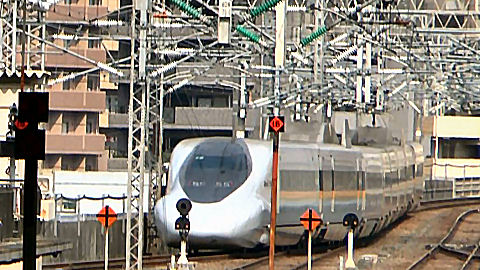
pixel 91 164
pixel 112 104
pixel 66 85
pixel 69 206
pixel 89 129
pixel 64 164
pixel 93 43
pixel 65 128
pixel 67 43
pixel 204 102
pixel 94 2
pixel 93 82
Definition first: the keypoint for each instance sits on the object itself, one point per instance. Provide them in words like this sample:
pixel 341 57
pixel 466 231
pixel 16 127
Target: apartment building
pixel 453 155
pixel 73 140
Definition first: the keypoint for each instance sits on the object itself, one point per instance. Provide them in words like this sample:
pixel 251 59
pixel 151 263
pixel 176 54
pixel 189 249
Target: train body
pixel 229 184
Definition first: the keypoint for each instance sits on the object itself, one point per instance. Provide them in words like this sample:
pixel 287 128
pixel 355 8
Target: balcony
pixel 105 83
pixel 455 168
pixel 75 13
pixel 88 144
pixel 441 126
pixel 117 164
pixel 208 118
pixel 77 101
pixel 55 58
pixel 113 120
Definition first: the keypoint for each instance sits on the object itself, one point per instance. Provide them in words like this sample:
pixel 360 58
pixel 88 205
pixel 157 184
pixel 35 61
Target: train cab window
pixel 214 169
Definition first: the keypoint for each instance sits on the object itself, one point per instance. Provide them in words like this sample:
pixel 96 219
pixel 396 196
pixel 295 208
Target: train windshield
pixel 215 169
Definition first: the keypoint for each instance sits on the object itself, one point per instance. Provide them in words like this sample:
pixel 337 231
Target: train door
pixel 320 184
pixel 393 177
pixel 374 187
pixel 360 181
pixel 298 184
pixel 346 181
pixel 402 176
pixel 388 196
pixel 327 185
pixel 410 173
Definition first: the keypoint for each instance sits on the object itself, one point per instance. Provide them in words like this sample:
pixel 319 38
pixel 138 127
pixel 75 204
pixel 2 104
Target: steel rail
pixel 442 242
pixel 259 261
pixel 447 203
pixel 320 257
pixel 120 262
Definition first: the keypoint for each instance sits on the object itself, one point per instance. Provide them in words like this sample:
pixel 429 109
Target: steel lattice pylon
pixel 8 30
pixel 10 36
pixel 137 116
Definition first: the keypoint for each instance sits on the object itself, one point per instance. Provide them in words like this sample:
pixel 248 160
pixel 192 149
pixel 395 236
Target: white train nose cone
pixel 215 225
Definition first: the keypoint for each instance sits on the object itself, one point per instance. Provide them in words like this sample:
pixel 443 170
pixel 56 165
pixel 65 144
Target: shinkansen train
pixel 229 185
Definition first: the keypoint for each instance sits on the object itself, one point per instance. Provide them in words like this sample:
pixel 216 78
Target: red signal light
pixel 21 125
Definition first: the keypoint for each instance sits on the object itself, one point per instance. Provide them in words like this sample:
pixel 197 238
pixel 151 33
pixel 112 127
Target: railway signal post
pixel 29 144
pixel 276 124
pixel 106 217
pixel 310 220
pixel 182 225
pixel 351 221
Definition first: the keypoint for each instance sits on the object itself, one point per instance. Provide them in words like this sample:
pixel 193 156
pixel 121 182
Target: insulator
pixel 344 54
pixel 63 37
pixel 168 25
pixel 187 8
pixel 263 7
pixel 296 8
pixel 164 69
pixel 337 39
pixel 107 23
pixel 320 31
pixel 176 52
pixel 247 33
pixel 178 86
pixel 109 69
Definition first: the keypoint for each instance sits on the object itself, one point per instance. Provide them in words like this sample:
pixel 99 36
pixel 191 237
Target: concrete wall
pixel 6 213
pixel 88 240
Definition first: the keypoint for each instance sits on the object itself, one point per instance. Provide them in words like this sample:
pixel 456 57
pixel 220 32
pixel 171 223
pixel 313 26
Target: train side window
pixel 419 170
pixel 391 178
pixel 346 180
pixel 296 180
pixel 374 180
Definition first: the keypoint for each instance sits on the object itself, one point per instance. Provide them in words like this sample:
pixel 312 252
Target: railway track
pixel 446 203
pixel 148 261
pixel 458 249
pixel 291 261
pixel 286 260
